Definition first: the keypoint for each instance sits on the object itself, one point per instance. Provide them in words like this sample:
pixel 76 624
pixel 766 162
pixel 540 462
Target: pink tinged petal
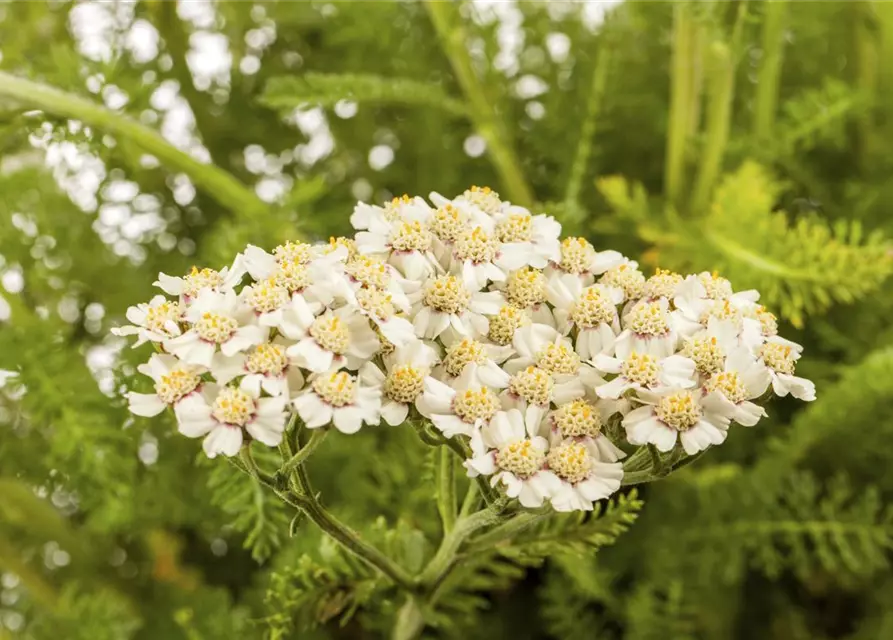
pixel 748 414
pixel 312 410
pixel 147 405
pixel 451 425
pixel 394 413
pixel 308 354
pixel 223 439
pixel 482 465
pixel 348 420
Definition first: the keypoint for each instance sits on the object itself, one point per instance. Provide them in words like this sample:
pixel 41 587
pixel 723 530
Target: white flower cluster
pixel 476 315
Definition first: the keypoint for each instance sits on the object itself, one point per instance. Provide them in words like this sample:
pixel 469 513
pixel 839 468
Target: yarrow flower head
pixel 466 318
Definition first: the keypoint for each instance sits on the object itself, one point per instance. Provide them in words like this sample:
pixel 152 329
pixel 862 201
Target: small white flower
pixel 696 305
pixel 526 288
pixel 474 201
pixel 156 321
pixel 174 381
pixel 340 399
pixel 626 277
pixel 405 242
pixel 464 352
pixel 591 310
pixel 504 324
pixel 584 422
pixel 406 368
pixel 444 301
pixel 663 284
pixel 741 380
pixel 698 420
pixel 709 347
pixel 370 272
pixel 643 371
pixel 379 307
pixel 581 477
pixel 332 340
pixel 198 280
pixel 649 328
pixel 220 413
pixel 476 252
pixel 297 267
pixel 510 450
pixel 780 359
pixel 266 366
pixel 579 258
pixel 217 320
pixel 400 208
pixel 460 409
pixel 527 240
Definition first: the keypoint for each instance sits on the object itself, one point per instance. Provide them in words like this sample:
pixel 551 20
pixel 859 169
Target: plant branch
pixel 680 101
pixel 301 456
pixel 446 488
pixel 216 182
pixel 766 101
pixel 482 112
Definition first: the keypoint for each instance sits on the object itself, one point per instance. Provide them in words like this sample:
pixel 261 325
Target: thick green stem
pixel 298 459
pixel 766 101
pixel 410 621
pixel 721 84
pixel 471 500
pixel 680 101
pixel 587 131
pixel 483 114
pixel 446 555
pixel 214 181
pixel 446 488
pixel 505 531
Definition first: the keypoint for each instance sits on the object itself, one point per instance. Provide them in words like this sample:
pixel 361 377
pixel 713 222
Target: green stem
pixel 483 114
pixel 250 467
pixel 298 459
pixel 766 101
pixel 216 182
pixel 680 101
pixel 410 621
pixel 505 531
pixel 443 560
pixel 471 500
pixel 721 84
pixel 446 488
pixel 587 131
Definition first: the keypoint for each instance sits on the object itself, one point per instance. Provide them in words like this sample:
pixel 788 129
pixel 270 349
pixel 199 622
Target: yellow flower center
pixel 707 355
pixel 233 406
pixel 293 276
pixel 331 333
pixel 558 358
pixel 717 287
pixel 577 419
pixel 729 384
pixel 447 223
pixel 341 241
pixel 533 385
pixel 446 294
pixel 593 308
pixel 376 303
pixel 680 410
pixel 174 386
pixel 631 280
pixel 268 359
pixel 268 296
pixel 570 461
pixel 475 404
pixel 640 368
pixel 722 310
pixel 768 321
pixel 662 284
pixel 781 358
pixel 404 384
pixel 393 209
pixel 484 198
pixel 462 354
pixel 215 327
pixel 199 279
pixel 516 227
pixel 648 319
pixel 526 287
pixel 159 315
pixel 520 458
pixel 369 272
pixel 476 245
pixel 505 323
pixel 576 255
pixel 337 389
pixel 411 236
pixel 299 252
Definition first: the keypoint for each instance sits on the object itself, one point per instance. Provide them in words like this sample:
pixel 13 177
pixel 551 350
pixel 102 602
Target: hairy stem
pixel 298 459
pixel 766 101
pixel 587 131
pixel 446 488
pixel 483 114
pixel 216 182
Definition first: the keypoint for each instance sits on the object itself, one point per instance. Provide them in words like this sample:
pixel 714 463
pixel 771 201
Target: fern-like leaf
pixel 286 93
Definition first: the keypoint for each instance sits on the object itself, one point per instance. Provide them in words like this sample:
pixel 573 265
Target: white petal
pixel 223 439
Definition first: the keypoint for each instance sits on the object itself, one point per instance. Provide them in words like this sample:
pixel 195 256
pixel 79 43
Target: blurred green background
pixel 755 138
